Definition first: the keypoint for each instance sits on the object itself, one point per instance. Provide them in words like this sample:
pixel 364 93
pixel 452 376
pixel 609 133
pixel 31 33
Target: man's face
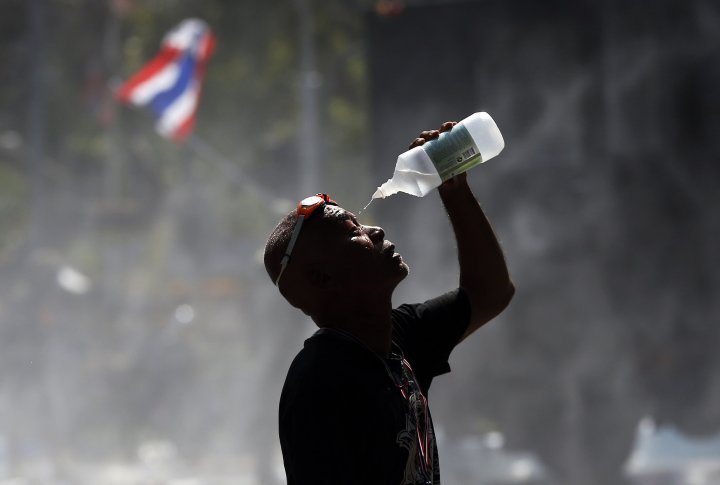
pixel 359 257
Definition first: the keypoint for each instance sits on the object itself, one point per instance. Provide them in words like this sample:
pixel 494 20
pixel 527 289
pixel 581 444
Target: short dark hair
pixel 277 244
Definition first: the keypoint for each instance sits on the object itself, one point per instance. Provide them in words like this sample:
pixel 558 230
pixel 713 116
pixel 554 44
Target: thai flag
pixel 171 82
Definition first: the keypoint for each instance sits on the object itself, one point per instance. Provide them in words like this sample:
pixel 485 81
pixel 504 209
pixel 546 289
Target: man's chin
pixel 404 270
pixel 399 270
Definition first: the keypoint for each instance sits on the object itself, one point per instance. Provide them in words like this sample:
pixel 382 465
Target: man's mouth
pixel 389 251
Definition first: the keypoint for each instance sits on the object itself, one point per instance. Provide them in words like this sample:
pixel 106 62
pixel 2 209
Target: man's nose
pixel 376 233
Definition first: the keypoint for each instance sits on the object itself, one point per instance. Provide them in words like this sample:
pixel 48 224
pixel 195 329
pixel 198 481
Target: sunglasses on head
pixel 306 207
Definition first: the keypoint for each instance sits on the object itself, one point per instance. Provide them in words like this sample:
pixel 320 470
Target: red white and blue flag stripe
pixel 170 84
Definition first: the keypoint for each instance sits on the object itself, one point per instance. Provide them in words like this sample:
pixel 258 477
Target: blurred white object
pixel 73 281
pixel 665 455
pixel 494 440
pixel 184 314
pixel 485 460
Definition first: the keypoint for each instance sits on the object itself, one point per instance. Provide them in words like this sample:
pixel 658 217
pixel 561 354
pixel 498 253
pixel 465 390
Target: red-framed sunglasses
pixel 305 209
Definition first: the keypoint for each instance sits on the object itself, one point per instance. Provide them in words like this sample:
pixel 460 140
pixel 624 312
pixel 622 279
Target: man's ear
pixel 318 277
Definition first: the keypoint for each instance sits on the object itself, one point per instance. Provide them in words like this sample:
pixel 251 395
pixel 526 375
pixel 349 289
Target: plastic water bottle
pixel 474 140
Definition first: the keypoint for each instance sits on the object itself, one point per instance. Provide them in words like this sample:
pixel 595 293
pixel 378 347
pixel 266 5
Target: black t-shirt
pixel 350 416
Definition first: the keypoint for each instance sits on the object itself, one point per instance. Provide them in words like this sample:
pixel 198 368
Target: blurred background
pixel 141 341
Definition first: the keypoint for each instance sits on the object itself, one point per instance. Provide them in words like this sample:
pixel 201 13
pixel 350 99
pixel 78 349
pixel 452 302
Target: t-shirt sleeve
pixel 427 332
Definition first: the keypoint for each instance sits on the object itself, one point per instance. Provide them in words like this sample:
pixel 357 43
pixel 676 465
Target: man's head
pixel 335 260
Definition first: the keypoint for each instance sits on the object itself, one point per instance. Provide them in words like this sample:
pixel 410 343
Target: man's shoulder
pixel 312 360
pixel 322 359
pixel 323 371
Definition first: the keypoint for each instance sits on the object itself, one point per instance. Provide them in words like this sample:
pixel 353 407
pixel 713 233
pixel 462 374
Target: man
pixel 354 406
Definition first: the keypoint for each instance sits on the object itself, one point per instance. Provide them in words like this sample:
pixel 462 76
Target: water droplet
pixel 363 209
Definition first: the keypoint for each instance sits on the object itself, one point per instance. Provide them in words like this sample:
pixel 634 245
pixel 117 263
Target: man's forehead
pixel 335 213
pixel 333 222
pixel 321 233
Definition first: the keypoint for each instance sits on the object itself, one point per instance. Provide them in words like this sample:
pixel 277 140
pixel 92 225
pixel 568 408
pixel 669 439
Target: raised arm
pixel 483 272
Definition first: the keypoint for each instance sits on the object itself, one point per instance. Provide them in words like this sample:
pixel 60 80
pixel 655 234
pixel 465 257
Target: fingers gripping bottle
pixel 474 140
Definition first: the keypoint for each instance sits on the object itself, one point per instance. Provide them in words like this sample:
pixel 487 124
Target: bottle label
pixel 453 152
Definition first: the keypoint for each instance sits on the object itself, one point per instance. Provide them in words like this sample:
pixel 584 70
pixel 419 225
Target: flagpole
pixel 115 155
pixel 310 82
pixel 37 122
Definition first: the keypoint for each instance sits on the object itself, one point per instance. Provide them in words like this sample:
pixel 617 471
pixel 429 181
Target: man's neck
pixel 371 324
pixel 376 338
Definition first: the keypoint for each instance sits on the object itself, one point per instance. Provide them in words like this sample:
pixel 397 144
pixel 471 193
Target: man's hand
pixel 432 134
pixel 425 136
